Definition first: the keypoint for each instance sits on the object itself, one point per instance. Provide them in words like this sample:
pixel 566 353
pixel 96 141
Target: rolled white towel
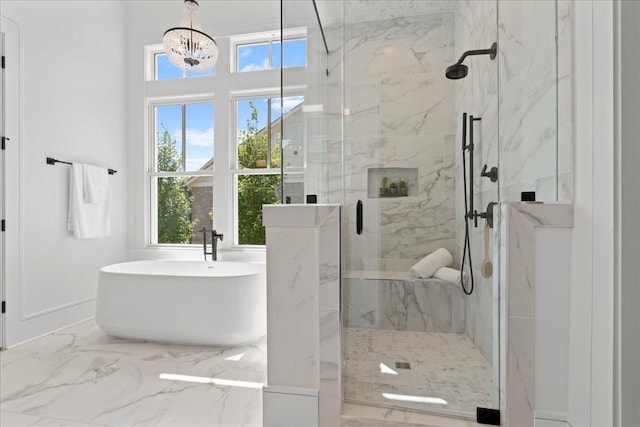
pixel 428 265
pixel 451 275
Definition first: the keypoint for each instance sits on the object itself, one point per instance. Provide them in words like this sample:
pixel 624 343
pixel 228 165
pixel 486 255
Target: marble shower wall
pixel 565 100
pixel 403 304
pixel 529 89
pixel 535 99
pixel 477 95
pixel 399 112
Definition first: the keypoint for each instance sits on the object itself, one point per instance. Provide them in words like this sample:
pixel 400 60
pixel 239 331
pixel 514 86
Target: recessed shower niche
pixel 392 182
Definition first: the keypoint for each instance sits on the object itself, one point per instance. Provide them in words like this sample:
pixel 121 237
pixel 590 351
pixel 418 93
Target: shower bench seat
pixel 396 300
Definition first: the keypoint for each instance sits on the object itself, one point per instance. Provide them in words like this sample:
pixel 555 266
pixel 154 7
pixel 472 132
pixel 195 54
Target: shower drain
pixel 403 365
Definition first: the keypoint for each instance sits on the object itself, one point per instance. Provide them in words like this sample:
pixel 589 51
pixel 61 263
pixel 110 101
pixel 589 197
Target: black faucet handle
pixel 492 174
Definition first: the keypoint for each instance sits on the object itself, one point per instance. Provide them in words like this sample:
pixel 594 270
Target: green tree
pixel 174 202
pixel 255 190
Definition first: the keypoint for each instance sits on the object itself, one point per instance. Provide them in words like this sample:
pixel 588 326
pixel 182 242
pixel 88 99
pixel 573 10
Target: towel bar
pixel 52 161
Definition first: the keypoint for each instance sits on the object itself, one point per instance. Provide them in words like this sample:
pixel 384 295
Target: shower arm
pixel 474 52
pixel 492 52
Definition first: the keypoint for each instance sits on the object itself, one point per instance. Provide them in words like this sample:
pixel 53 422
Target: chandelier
pixel 186 46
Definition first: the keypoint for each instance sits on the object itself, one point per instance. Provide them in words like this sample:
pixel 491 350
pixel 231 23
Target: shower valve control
pixel 492 174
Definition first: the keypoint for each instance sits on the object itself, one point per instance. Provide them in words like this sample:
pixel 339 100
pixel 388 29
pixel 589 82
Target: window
pixel 196 181
pixel 181 174
pixel 267 53
pixel 258 159
pixel 163 69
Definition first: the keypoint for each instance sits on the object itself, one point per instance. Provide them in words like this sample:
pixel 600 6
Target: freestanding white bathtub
pixel 191 302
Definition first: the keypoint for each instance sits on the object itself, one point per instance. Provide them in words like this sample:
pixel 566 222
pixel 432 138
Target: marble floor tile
pixel 53 422
pixel 11 419
pixel 443 366
pixel 80 375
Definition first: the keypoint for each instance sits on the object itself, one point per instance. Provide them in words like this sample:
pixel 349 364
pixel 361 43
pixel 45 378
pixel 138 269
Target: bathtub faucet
pixel 214 243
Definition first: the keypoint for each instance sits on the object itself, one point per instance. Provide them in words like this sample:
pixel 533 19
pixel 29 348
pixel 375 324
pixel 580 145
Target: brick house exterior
pixel 200 188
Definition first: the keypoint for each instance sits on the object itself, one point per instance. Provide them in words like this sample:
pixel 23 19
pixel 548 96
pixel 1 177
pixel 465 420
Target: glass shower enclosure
pixel 416 343
pixel 383 132
pixel 390 150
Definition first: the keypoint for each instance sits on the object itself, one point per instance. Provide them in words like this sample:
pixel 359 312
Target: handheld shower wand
pixel 468 197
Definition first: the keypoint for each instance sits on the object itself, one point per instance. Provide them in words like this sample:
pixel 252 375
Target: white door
pixel 9 211
pixel 2 180
pixel 9 181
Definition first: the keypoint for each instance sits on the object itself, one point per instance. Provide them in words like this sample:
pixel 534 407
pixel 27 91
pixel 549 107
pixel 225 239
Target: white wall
pixel 592 251
pixel 72 107
pixel 535 111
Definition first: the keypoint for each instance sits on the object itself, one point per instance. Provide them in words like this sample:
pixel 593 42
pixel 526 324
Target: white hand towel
pixel 95 182
pixel 451 275
pixel 86 220
pixel 428 265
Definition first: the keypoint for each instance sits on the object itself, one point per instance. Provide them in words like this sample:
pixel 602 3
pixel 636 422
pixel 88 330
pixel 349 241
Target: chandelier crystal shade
pixel 187 46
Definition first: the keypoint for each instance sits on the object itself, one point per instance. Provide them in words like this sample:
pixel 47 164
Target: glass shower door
pixel 416 343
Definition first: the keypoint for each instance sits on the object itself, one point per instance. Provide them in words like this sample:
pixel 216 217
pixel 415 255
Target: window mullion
pixel 207 172
pixel 256 171
pixel 152 154
pixel 184 137
pixel 269 132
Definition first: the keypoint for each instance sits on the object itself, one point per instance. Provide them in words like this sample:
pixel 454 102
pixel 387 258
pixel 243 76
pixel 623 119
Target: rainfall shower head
pixel 457 71
pixel 460 71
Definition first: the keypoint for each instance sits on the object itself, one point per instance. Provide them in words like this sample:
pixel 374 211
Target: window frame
pixel 269 37
pixel 235 169
pixel 150 52
pixel 221 89
pixel 151 174
pixel 151 72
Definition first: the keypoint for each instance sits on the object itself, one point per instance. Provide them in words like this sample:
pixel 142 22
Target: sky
pixel 200 116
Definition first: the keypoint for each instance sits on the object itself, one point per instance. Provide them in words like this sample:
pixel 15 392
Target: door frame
pixel 11 258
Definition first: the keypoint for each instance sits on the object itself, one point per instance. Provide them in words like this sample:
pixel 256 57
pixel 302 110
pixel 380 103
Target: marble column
pixel 528 255
pixel 303 317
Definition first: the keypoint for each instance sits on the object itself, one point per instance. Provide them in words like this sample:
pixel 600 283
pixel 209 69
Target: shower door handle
pixel 359 217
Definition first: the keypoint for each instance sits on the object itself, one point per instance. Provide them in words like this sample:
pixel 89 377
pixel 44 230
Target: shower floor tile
pixel 443 366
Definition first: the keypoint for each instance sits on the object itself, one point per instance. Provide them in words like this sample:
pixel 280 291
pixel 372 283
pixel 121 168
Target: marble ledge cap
pixel 299 215
pixel 545 214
